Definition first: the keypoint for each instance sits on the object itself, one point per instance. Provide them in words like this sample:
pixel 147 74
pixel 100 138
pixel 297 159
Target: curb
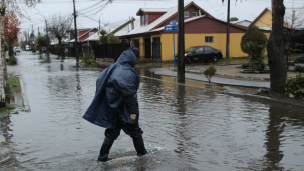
pixel 237 76
pixel 216 83
pixel 24 97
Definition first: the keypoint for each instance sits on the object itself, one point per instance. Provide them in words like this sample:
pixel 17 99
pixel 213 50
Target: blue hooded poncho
pixel 117 81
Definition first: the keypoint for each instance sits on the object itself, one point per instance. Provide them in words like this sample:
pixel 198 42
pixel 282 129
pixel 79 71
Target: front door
pixel 148 48
pixel 156 45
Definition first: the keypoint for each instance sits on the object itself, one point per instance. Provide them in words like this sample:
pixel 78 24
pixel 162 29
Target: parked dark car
pixel 202 54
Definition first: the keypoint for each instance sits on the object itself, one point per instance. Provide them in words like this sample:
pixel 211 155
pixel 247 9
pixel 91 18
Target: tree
pixel 103 39
pixel 293 22
pixel 11 31
pixel 8 7
pixel 40 42
pixel 254 44
pixel 209 72
pixel 25 34
pixel 113 39
pixel 59 27
pixel 275 49
pixel 234 19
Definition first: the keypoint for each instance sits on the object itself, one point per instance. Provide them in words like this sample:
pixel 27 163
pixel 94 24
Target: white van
pixel 27 47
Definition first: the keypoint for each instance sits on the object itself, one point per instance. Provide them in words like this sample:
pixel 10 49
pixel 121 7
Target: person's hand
pixel 133 117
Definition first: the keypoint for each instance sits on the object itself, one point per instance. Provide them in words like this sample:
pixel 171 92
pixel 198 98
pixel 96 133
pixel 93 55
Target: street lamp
pixel 47 35
pixel 99 20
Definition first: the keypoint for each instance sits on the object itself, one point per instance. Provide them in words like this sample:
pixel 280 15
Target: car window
pixel 189 49
pixel 208 49
pixel 199 50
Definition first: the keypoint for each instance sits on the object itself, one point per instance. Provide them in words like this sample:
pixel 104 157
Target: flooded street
pixel 185 127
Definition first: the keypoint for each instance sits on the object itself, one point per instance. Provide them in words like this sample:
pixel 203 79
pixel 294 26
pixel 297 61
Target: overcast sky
pixel 89 11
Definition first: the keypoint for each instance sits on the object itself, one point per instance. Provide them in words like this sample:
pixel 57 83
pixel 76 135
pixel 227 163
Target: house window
pixel 195 14
pixel 186 14
pixel 91 33
pixel 146 19
pixel 209 39
pixel 142 20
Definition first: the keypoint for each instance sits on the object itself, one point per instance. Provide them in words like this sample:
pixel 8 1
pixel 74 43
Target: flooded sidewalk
pixel 185 127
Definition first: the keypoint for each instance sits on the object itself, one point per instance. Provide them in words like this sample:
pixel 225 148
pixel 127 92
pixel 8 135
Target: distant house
pixel 201 28
pixel 118 28
pixel 82 35
pixel 32 37
pixel 293 17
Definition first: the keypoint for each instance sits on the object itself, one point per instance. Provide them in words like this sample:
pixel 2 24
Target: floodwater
pixel 185 127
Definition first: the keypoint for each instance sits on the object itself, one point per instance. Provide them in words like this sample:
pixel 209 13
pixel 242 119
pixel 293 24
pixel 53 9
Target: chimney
pixel 132 23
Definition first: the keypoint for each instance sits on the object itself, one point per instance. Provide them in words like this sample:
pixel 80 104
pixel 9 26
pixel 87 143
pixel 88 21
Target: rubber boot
pixel 105 150
pixel 139 146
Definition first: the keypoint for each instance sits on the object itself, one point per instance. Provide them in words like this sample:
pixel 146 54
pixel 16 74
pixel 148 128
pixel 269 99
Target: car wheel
pixel 215 59
pixel 188 60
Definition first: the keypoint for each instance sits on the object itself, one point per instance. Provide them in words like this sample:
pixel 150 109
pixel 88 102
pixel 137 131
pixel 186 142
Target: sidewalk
pixel 233 71
pixel 225 75
pixel 215 79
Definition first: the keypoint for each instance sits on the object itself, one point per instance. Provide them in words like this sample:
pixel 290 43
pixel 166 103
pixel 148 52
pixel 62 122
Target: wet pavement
pixel 186 127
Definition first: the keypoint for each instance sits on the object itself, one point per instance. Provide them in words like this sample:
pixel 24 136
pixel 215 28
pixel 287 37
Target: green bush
pixel 254 44
pixel 299 60
pixel 103 39
pixel 295 86
pixel 246 65
pixel 12 60
pixel 299 68
pixel 89 59
pixel 113 39
pixel 209 72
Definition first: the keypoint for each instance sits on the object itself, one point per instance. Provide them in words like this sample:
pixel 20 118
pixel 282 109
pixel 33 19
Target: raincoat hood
pixel 127 57
pixel 113 84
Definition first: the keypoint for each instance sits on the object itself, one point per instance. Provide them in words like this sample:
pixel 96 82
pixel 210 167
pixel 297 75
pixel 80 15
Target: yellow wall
pixel 265 20
pixel 219 42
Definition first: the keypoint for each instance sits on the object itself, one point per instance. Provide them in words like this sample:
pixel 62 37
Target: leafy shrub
pixel 113 39
pixel 299 60
pixel 246 65
pixel 103 39
pixel 254 44
pixel 209 72
pixel 89 59
pixel 295 86
pixel 12 60
pixel 299 68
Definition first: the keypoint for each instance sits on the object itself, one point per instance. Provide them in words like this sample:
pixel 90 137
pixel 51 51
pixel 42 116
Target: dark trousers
pixel 133 130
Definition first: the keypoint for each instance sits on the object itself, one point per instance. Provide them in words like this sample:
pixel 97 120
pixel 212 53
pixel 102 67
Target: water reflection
pixel 190 125
pixel 273 138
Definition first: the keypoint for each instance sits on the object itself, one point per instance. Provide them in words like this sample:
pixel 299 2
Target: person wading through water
pixel 115 105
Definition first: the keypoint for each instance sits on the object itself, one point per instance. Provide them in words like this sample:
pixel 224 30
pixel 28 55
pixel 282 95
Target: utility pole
pixel 47 39
pixel 228 32
pixel 181 43
pixel 76 41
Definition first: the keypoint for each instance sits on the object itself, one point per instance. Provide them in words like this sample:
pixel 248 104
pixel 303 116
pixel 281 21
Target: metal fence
pixel 109 50
pixel 146 50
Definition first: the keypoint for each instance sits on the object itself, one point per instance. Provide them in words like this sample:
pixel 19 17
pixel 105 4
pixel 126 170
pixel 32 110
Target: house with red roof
pixel 201 28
